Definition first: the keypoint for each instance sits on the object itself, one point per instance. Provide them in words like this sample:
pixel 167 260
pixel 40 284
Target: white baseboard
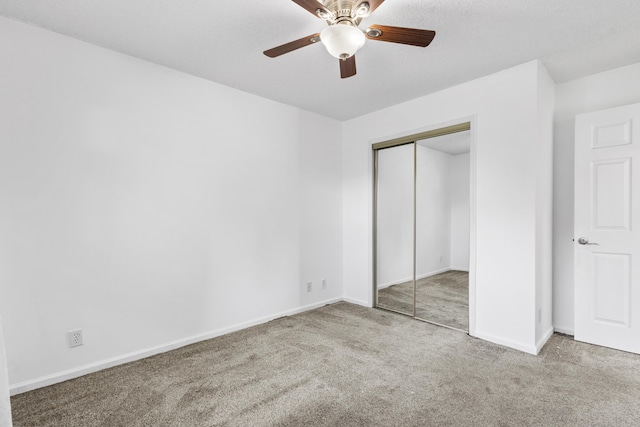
pixel 434 273
pixel 395 282
pixel 531 349
pixel 535 350
pixel 422 276
pixel 69 374
pixel 543 340
pixel 357 302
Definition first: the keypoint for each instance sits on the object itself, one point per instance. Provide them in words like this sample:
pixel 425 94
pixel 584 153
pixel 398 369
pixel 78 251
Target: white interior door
pixel 607 228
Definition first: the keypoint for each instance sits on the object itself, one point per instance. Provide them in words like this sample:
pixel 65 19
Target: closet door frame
pixel 412 139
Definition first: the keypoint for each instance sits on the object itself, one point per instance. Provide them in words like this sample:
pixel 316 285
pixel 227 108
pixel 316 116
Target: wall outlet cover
pixel 75 338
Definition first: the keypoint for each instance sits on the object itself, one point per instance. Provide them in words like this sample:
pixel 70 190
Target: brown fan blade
pixel 312 6
pixel 296 44
pixel 348 67
pixel 373 5
pixel 410 36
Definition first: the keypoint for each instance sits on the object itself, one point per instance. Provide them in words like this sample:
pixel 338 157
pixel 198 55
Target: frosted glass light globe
pixel 342 40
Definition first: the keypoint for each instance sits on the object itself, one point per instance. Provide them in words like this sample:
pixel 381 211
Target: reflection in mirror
pixel 394 228
pixel 442 230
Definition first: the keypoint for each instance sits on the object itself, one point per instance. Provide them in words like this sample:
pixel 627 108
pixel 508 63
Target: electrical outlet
pixel 440 259
pixel 308 286
pixel 324 283
pixel 539 315
pixel 75 338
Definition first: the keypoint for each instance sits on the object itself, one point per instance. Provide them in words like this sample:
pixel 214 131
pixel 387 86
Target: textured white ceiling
pixel 223 41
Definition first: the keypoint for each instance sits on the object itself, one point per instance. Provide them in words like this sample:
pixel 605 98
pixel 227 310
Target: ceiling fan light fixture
pixel 342 40
pixel 362 10
pixel 323 14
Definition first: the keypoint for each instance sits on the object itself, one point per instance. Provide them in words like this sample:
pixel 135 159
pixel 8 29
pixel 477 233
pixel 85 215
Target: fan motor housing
pixel 342 10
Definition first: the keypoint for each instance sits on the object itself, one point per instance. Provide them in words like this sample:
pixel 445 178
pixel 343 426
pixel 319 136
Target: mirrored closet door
pixel 394 231
pixel 422 227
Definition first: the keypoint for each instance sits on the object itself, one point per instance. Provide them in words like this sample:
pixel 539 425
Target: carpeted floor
pixel 346 365
pixel 443 299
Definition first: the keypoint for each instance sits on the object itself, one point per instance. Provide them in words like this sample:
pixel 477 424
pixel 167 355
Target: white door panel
pixel 611 194
pixel 607 218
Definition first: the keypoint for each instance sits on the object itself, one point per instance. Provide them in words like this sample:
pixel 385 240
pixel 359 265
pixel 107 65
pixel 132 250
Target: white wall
pixel 459 181
pixel 505 111
pixel 395 215
pixel 592 93
pixel 433 212
pixel 150 208
pixel 442 213
pixel 544 207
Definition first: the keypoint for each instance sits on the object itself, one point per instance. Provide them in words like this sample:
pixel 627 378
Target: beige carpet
pixel 345 365
pixel 443 299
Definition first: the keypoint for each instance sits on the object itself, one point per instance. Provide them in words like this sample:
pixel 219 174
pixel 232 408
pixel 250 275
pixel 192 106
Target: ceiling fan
pixel 343 38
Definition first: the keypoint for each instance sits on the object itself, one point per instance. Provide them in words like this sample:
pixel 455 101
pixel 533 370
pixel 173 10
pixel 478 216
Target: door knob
pixel 585 241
